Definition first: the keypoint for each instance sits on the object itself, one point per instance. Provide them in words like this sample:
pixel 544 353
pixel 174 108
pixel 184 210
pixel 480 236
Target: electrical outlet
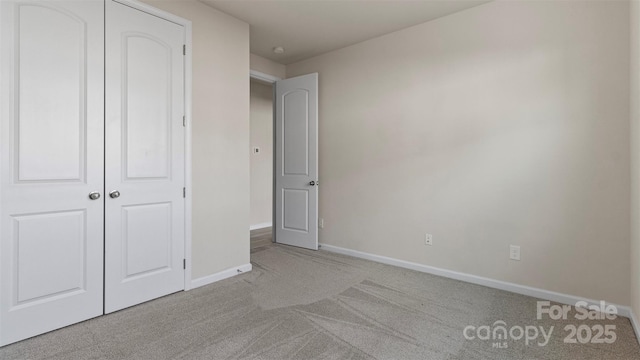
pixel 256 150
pixel 514 252
pixel 321 223
pixel 428 239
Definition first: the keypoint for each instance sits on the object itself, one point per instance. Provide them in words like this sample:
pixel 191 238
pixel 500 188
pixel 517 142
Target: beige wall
pixel 220 129
pixel 262 163
pixel 503 124
pixel 264 65
pixel 635 156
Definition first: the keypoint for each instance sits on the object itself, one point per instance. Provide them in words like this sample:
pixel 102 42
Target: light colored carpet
pixel 299 304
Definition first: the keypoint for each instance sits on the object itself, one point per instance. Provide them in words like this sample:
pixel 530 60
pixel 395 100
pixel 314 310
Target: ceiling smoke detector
pixel 278 50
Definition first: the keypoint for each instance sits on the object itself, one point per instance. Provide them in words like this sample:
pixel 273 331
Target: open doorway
pixel 284 158
pixel 261 163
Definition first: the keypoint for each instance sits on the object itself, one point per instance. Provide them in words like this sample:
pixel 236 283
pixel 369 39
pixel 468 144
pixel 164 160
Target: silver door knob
pixel 114 194
pixel 312 183
pixel 94 195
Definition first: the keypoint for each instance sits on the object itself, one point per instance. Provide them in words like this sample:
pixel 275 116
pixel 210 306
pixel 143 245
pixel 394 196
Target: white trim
pixel 263 77
pixel 5 84
pixel 224 274
pixel 260 226
pixel 188 74
pixel 636 325
pixel 188 182
pixel 624 311
pixel 154 11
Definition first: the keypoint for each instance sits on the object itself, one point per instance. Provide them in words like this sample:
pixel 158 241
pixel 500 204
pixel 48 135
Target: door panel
pixel 295 117
pixel 32 239
pixel 295 205
pixel 144 235
pixel 296 161
pixel 50 150
pixel 51 128
pixel 147 239
pixel 147 83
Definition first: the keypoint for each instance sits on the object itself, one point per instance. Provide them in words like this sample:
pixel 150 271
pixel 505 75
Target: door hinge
pixel 184 49
pixel 184 264
pixel 184 192
pixel 184 121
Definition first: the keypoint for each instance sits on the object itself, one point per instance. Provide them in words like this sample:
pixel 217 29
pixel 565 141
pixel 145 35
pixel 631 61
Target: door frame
pixel 257 75
pixel 270 79
pixel 188 71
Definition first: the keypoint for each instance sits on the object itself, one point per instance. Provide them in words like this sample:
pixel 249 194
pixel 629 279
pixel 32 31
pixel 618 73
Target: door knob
pixel 314 183
pixel 94 195
pixel 114 194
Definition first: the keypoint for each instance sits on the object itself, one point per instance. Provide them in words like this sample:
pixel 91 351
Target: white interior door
pixel 296 161
pixel 51 146
pixel 144 231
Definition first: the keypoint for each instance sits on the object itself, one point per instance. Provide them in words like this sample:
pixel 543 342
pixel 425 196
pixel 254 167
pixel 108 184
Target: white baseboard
pixel 635 324
pixel 224 274
pixel 624 311
pixel 260 226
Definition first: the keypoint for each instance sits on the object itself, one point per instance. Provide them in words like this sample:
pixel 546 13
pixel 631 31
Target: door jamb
pixel 270 79
pixel 188 118
pixel 257 75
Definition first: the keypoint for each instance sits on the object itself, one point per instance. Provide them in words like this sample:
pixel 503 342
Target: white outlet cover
pixel 428 239
pixel 514 252
pixel 256 150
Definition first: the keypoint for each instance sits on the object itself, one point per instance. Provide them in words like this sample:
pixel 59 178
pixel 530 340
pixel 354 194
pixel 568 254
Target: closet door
pixel 144 228
pixel 51 146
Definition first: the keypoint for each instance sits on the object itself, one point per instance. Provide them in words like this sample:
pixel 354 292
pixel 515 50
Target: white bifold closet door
pixel 91 162
pixel 144 181
pixel 51 143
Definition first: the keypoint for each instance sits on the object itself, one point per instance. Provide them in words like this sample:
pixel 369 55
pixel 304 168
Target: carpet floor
pixel 300 304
